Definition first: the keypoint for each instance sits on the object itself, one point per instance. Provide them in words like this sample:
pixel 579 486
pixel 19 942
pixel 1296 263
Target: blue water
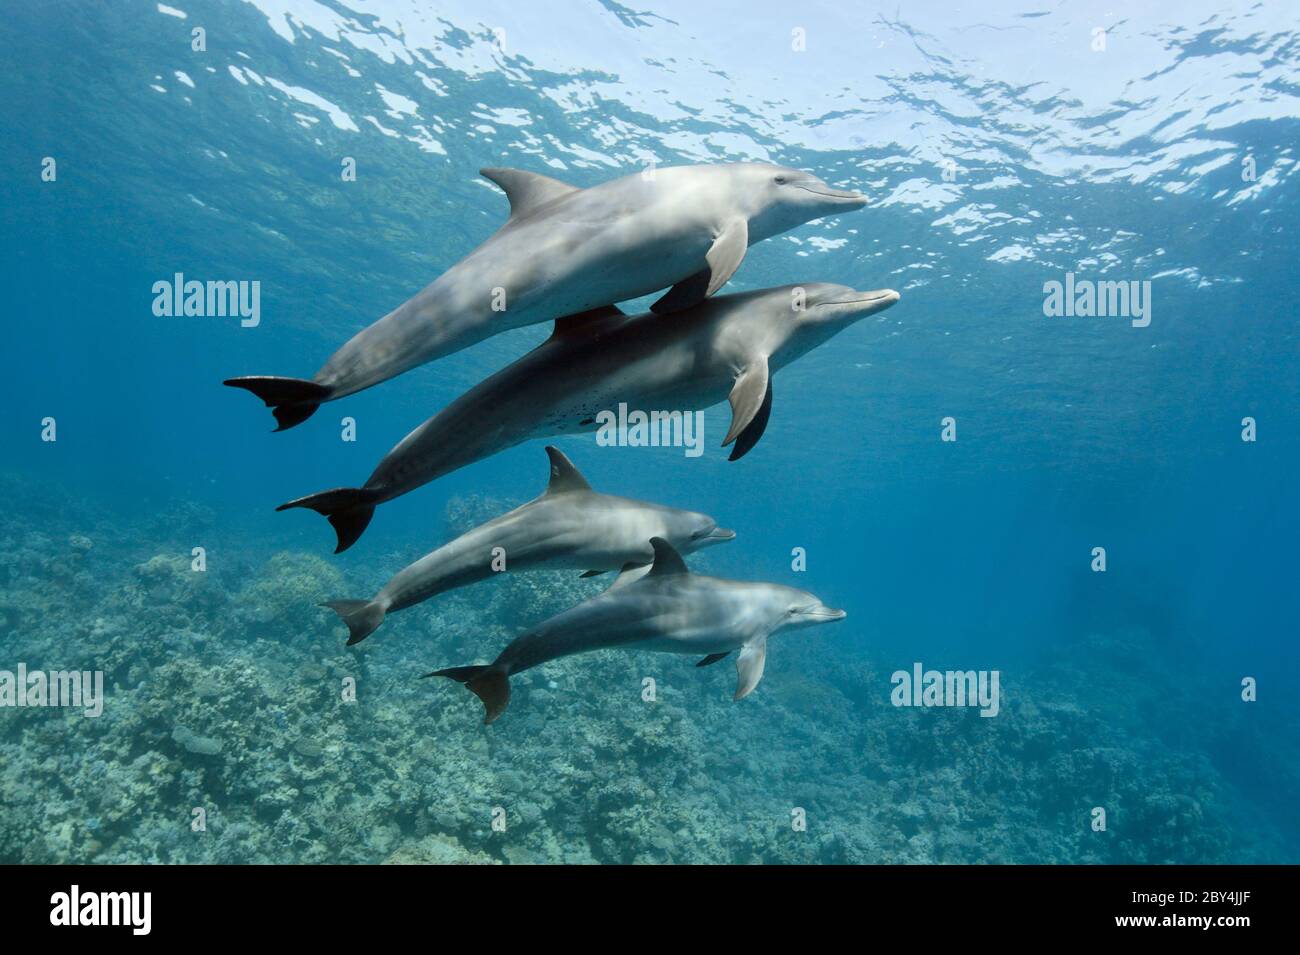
pixel 1000 150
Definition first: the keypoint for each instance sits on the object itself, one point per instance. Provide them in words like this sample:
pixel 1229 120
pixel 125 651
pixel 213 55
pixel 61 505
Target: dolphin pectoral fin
pixel 526 190
pixel 590 573
pixel 723 258
pixel 591 322
pixel 564 476
pixel 749 437
pixel 726 254
pixel 630 572
pixel 712 658
pixel 689 291
pixel 749 667
pixel 751 393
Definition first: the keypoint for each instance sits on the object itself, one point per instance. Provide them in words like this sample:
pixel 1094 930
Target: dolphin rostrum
pixel 670 610
pixel 724 348
pixel 569 525
pixel 565 251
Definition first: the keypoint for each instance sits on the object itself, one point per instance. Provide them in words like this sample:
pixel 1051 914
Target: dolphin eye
pixel 780 180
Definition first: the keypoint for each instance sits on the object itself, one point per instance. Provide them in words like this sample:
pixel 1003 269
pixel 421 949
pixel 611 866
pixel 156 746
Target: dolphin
pixel 670 610
pixel 725 348
pixel 565 251
pixel 569 525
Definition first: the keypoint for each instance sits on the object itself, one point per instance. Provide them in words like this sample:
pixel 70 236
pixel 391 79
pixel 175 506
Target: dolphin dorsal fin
pixel 667 560
pixel 526 190
pixel 564 476
pixel 583 323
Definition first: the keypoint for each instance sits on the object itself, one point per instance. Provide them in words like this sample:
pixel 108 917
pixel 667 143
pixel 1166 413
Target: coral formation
pixel 239 728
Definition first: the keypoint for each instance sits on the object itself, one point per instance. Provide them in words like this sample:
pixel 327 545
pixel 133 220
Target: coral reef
pixel 239 728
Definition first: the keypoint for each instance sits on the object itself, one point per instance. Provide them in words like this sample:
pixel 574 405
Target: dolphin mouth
pixel 845 196
pixel 881 298
pixel 827 614
pixel 716 536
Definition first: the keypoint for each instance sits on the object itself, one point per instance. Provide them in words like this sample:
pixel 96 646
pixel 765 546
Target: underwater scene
pixel 510 433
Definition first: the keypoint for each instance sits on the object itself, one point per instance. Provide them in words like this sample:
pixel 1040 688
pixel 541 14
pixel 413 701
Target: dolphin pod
pixel 569 525
pixel 565 251
pixel 669 610
pixel 569 255
pixel 726 348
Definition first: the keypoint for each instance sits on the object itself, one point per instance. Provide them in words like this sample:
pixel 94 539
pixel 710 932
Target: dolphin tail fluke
pixel 291 400
pixel 349 510
pixel 491 684
pixel 363 617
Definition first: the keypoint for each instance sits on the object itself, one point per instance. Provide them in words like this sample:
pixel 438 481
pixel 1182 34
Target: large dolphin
pixel 669 610
pixel 565 251
pixel 569 525
pixel 724 348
